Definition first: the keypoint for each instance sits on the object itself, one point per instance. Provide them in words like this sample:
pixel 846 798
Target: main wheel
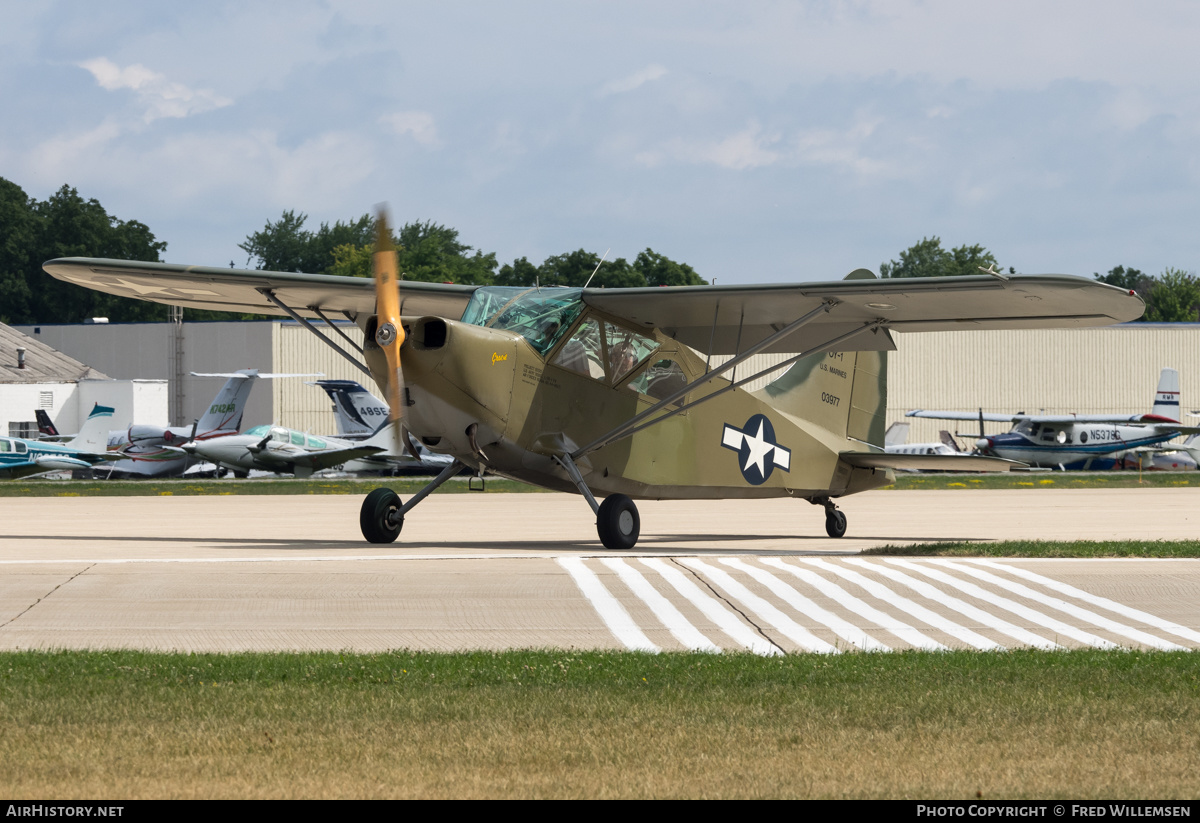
pixel 380 518
pixel 835 523
pixel 618 523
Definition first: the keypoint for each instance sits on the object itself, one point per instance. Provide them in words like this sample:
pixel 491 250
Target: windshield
pixel 541 316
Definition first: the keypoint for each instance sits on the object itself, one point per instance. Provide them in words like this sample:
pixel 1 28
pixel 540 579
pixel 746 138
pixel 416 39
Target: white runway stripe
pixel 789 628
pixel 1095 600
pixel 843 598
pixel 1032 615
pixel 1075 611
pixel 962 607
pixel 610 610
pixel 842 628
pixel 712 608
pixel 678 625
pixel 906 605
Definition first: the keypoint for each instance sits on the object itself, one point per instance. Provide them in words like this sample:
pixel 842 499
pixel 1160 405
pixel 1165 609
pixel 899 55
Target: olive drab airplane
pixel 1078 441
pixel 613 393
pixel 23 458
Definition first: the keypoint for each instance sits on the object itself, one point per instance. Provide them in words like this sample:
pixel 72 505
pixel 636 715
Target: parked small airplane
pixel 894 442
pixel 360 415
pixel 282 450
pixel 1078 441
pixel 155 451
pixel 612 392
pixel 22 458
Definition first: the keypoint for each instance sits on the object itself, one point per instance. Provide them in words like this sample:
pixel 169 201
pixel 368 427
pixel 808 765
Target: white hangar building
pixel 34 375
pixel 1111 370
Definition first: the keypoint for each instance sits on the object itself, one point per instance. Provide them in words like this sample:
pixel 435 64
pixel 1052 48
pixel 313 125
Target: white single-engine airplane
pixel 612 393
pixel 1078 441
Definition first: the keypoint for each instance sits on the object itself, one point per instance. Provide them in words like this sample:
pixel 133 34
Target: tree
pixel 66 225
pixel 16 242
pixel 1174 298
pixel 285 245
pixel 929 259
pixel 658 270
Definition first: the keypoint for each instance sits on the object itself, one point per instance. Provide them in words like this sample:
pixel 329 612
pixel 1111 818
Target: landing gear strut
pixel 617 522
pixel 835 519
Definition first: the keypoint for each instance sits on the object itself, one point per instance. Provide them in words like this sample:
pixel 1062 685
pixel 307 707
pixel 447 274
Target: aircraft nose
pixel 983 443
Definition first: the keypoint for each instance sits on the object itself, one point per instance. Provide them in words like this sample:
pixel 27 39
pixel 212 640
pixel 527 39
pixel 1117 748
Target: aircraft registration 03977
pixel 612 393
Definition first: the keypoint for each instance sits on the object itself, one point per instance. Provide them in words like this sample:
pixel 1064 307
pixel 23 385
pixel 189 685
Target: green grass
pixel 1022 724
pixel 1047 480
pixel 1046 548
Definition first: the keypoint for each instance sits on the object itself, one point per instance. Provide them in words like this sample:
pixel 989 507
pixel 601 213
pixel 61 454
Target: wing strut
pixel 270 295
pixel 628 432
pixel 315 310
pixel 628 426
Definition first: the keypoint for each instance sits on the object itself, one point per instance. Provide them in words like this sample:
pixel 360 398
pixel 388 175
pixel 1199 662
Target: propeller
pixel 389 332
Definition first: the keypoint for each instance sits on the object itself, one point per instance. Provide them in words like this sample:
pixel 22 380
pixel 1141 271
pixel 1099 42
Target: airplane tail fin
pixel 225 412
pixel 896 434
pixel 842 391
pixel 1166 398
pixel 359 412
pixel 948 440
pixel 93 434
pixel 45 426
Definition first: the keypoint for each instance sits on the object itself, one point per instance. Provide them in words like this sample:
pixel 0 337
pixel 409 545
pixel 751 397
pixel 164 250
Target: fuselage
pixel 22 458
pixel 1070 445
pixel 535 374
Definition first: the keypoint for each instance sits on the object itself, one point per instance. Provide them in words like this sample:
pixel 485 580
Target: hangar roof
pixel 42 363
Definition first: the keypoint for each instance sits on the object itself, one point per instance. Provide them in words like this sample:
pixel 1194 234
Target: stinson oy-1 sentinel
pixel 614 393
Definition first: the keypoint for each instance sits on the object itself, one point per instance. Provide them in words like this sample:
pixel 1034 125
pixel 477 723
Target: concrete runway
pixel 501 571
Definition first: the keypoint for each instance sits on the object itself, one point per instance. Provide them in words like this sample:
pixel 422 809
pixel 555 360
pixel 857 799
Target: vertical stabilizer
pixel 1166 399
pixel 225 412
pixel 93 435
pixel 358 412
pixel 842 391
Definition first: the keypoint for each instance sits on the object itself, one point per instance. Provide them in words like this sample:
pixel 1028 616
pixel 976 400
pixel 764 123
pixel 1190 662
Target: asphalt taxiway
pixel 502 571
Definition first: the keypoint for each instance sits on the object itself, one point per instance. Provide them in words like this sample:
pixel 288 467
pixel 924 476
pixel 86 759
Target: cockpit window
pixel 541 316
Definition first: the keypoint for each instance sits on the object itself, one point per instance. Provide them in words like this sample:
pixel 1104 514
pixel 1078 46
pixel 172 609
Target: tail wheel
pixel 380 518
pixel 835 523
pixel 618 523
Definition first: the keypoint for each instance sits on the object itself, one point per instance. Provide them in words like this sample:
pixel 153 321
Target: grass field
pixel 408 485
pixel 1026 724
pixel 1046 548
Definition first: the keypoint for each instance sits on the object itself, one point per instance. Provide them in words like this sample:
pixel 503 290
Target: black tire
pixel 374 518
pixel 835 524
pixel 240 474
pixel 618 523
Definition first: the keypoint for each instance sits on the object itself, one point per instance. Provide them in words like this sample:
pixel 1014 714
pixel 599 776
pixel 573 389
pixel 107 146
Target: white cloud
pixel 160 96
pixel 417 124
pixel 634 81
pixel 747 149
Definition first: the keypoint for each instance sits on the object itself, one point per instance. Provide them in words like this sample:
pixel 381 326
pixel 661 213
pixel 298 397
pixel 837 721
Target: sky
pixel 757 142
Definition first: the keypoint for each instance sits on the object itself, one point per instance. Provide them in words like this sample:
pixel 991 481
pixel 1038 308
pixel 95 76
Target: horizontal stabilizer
pixel 929 462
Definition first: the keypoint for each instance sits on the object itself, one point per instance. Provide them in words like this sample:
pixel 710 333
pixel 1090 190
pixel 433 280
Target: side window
pixel 659 379
pixel 5 446
pixel 626 350
pixel 583 352
pixel 21 448
pixel 298 439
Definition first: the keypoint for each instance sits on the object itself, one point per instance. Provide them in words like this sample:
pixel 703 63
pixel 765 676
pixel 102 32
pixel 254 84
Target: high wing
pixel 1149 421
pixel 728 319
pixel 244 290
pixel 858 311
